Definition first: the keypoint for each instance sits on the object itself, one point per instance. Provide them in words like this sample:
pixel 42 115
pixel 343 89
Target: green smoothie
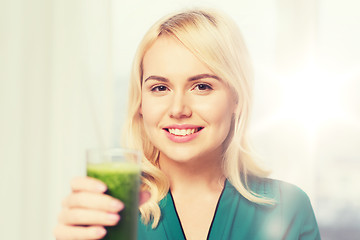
pixel 122 180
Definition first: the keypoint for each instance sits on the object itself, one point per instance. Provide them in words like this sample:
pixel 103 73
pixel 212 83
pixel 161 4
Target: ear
pixel 236 106
pixel 235 103
pixel 140 110
pixel 237 109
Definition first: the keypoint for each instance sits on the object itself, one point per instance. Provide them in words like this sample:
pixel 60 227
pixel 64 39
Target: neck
pixel 194 175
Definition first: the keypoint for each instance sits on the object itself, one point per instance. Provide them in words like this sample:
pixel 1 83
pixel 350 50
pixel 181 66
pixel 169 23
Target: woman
pixel 189 107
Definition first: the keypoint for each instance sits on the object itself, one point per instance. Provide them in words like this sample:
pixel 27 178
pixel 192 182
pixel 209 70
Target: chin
pixel 178 155
pixel 181 158
pixel 186 155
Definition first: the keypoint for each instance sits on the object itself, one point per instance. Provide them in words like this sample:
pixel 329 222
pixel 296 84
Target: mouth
pixel 183 132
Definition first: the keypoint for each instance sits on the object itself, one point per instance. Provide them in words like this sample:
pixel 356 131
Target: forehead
pixel 168 56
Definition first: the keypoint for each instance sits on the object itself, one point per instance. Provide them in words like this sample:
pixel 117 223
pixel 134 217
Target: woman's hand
pixel 88 209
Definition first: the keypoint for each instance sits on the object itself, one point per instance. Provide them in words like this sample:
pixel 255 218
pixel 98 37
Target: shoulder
pixel 289 200
pixel 290 216
pixel 280 191
pixel 292 207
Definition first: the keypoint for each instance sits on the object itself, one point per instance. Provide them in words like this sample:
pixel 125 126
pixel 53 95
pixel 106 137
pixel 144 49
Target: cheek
pixel 152 112
pixel 147 112
pixel 217 111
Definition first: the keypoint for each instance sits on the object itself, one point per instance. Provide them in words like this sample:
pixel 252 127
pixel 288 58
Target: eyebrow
pixel 193 78
pixel 205 75
pixel 158 78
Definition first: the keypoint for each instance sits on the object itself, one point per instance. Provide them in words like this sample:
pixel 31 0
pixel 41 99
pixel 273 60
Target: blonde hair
pixel 216 41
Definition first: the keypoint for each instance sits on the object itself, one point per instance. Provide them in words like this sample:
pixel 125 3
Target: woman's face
pixel 186 108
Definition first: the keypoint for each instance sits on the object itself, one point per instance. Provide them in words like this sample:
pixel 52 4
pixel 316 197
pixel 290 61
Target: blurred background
pixel 64 69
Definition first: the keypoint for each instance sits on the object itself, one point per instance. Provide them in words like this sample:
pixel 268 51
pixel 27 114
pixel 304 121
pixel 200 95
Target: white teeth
pixel 181 132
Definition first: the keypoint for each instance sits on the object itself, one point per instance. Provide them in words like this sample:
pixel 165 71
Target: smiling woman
pixel 190 96
pixel 189 101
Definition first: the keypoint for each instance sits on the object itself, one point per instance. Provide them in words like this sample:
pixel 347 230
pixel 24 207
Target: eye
pixel 203 87
pixel 159 88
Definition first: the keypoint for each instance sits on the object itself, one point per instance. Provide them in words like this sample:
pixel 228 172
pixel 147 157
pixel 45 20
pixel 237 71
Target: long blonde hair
pixel 216 41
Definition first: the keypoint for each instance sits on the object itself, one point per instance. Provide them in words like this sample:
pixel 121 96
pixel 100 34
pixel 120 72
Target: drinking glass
pixel 120 170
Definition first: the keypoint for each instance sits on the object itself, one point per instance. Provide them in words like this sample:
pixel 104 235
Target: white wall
pixel 64 68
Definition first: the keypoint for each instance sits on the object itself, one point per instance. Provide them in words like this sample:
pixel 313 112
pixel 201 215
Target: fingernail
pixel 117 205
pixel 113 217
pixel 101 187
pixel 100 232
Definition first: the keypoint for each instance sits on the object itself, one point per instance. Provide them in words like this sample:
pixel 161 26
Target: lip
pixel 186 138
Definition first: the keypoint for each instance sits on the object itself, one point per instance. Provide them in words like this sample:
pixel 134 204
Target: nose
pixel 180 107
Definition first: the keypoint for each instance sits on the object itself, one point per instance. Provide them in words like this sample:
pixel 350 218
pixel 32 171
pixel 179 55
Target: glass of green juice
pixel 120 170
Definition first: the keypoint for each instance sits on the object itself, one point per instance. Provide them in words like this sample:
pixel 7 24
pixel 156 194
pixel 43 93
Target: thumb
pixel 144 197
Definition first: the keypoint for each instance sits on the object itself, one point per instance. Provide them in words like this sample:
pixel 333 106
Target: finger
pixel 64 232
pixel 144 197
pixel 96 201
pixel 87 184
pixel 78 216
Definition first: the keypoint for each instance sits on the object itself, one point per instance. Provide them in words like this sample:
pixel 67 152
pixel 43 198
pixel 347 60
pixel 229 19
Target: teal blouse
pixel 236 218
